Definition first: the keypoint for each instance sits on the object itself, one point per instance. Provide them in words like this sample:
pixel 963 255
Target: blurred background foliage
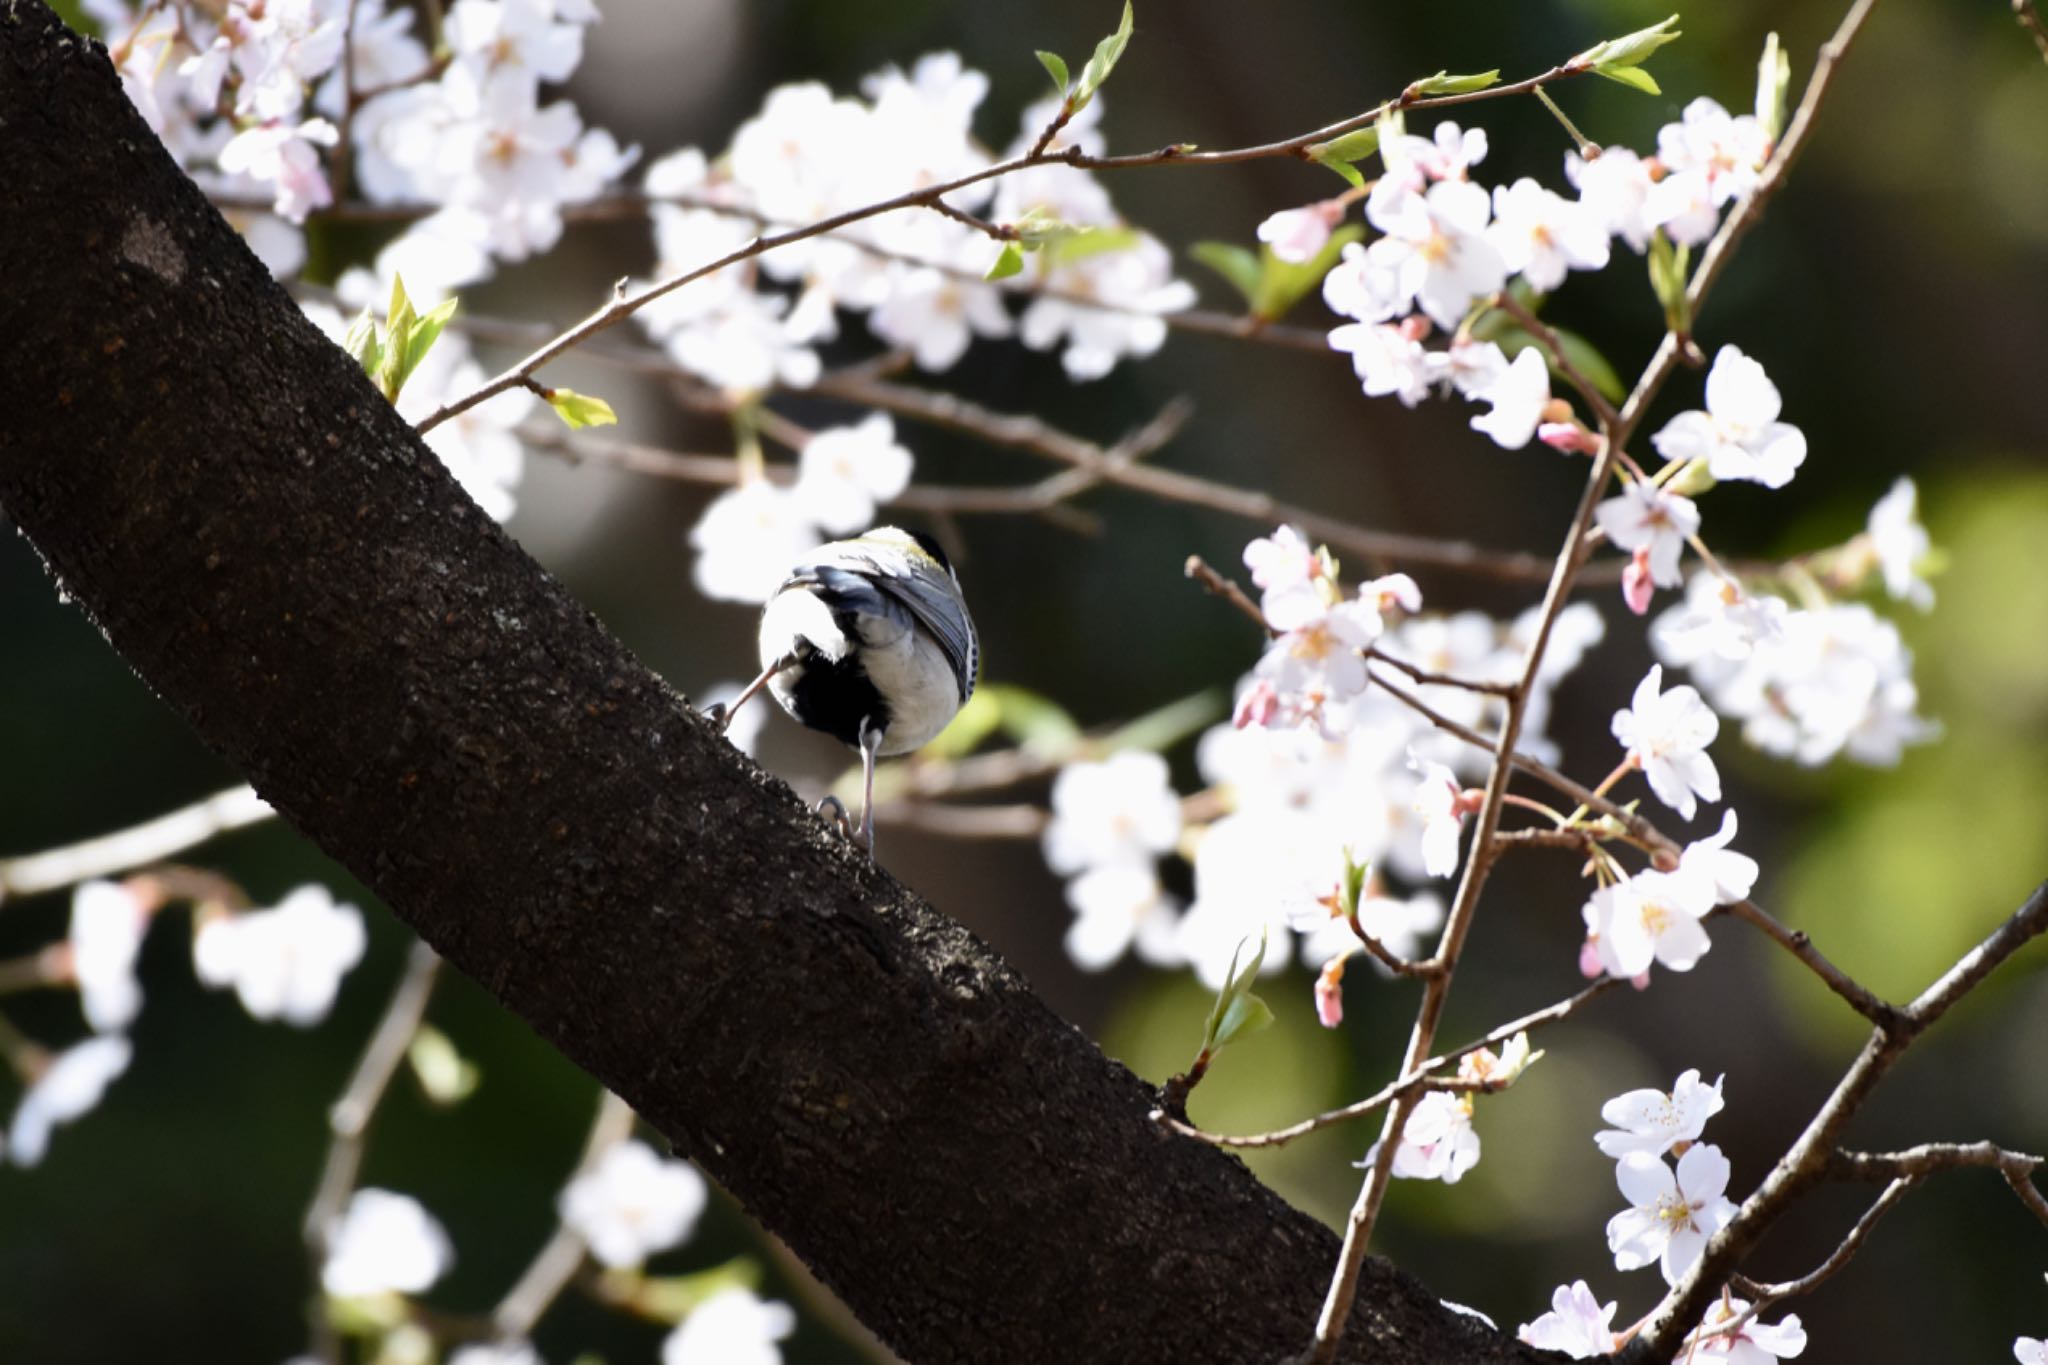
pixel 1895 292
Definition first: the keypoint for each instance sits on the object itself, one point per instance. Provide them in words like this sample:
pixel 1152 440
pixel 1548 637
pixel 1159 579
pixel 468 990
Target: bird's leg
pixel 870 747
pixel 722 712
pixel 835 810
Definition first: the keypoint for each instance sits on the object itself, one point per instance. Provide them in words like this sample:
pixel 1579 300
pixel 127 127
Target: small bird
pixel 869 640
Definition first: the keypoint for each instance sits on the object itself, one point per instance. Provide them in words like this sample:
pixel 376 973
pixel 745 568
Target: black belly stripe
pixel 834 697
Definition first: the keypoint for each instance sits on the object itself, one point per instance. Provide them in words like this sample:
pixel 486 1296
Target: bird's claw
pixel 835 810
pixel 719 714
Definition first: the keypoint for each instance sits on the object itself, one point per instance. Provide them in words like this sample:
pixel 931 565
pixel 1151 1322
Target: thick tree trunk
pixel 278 555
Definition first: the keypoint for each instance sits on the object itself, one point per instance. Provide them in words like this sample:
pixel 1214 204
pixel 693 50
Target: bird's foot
pixel 834 810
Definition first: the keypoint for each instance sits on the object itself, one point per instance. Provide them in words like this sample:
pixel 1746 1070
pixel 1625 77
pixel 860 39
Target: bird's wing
pixel 914 581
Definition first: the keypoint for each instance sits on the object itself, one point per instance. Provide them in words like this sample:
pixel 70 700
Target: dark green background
pixel 1895 292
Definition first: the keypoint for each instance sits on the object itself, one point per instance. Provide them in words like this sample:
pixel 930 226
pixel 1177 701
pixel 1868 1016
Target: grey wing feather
pixel 929 591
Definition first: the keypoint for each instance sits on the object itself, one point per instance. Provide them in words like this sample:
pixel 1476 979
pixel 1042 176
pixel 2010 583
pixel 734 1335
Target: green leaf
pixel 444 1074
pixel 1237 986
pixel 1038 723
pixel 1041 225
pixel 1339 152
pixel 671 1298
pixel 1630 49
pixel 1007 263
pixel 1441 84
pixel 425 333
pixel 1355 875
pixel 1102 63
pixel 1634 77
pixel 1171 723
pixel 1668 268
pixel 1095 241
pixel 1282 284
pixel 581 409
pixel 362 342
pixel 1056 68
pixel 1773 78
pixel 1239 266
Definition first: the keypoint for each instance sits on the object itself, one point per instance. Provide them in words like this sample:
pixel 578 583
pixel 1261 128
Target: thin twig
pixel 1764 1296
pixel 1216 585
pixel 1427 678
pixel 149 842
pixel 1796 942
pixel 2017 1167
pixel 549 1273
pixel 1603 411
pixel 2030 19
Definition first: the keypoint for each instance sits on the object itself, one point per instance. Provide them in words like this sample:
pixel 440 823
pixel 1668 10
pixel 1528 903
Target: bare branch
pixel 562 1255
pixel 149 842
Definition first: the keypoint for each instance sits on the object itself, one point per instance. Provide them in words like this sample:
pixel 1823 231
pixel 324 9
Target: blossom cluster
pixel 1673 1211
pixel 1320 773
pixel 1100 287
pixel 627 1205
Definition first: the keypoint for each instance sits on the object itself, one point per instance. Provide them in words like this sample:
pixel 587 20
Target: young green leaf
pixel 1247 1015
pixel 363 342
pixel 1630 49
pixel 581 409
pixel 1237 1011
pixel 1056 68
pixel 1339 152
pixel 1282 284
pixel 1634 77
pixel 1102 63
pixel 1037 723
pixel 425 333
pixel 1668 266
pixel 444 1074
pixel 1008 262
pixel 1041 225
pixel 1095 241
pixel 1773 78
pixel 1443 84
pixel 1238 266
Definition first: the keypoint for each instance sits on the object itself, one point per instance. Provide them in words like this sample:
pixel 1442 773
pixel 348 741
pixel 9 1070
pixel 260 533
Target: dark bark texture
pixel 274 552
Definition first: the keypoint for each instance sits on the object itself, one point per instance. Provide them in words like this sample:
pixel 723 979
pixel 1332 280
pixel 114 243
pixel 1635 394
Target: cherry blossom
pixel 1437 1143
pixel 1667 734
pixel 746 539
pixel 520 35
pixel 70 1086
pixel 1651 917
pixel 1518 398
pixel 1649 520
pixel 633 1203
pixel 1752 1343
pixel 285 155
pixel 1731 874
pixel 2030 1351
pixel 1540 234
pixel 1315 665
pixel 1719 620
pixel 1388 359
pixel 107 925
pixel 1440 801
pixel 1901 544
pixel 732 1327
pixel 384 1243
pixel 1578 1324
pixel 1655 1122
pixel 286 963
pixel 1674 1212
pixel 1365 287
pixel 844 471
pixel 1435 249
pixel 1117 811
pixel 1614 188
pixel 1727 150
pixel 1135 289
pixel 1739 435
pixel 495 1353
pixel 1297 236
pixel 1117 907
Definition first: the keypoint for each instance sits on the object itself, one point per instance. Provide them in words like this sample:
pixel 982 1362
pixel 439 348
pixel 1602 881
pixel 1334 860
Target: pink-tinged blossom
pixel 1614 188
pixel 69 1087
pixel 1653 917
pixel 1753 1343
pixel 2030 1351
pixel 1657 523
pixel 1448 153
pixel 1719 622
pixel 1540 234
pixel 1365 287
pixel 844 472
pixel 1316 666
pixel 1655 1122
pixel 1577 1325
pixel 384 1243
pixel 1440 802
pixel 518 36
pixel 1518 398
pixel 1726 150
pixel 1298 235
pixel 1901 544
pixel 1285 565
pixel 1731 874
pixel 1667 734
pixel 1391 593
pixel 1568 438
pixel 1738 435
pixel 1674 1213
pixel 285 156
pixel 1437 1143
pixel 1435 249
pixel 1638 588
pixel 1387 358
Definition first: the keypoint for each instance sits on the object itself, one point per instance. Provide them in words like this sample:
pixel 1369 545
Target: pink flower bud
pixel 1330 994
pixel 1636 587
pixel 1589 960
pixel 1569 437
pixel 1257 706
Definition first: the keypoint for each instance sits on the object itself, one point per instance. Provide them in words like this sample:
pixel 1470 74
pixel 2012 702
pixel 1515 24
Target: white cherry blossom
pixel 70 1087
pixel 2030 1351
pixel 1739 434
pixel 1647 517
pixel 1653 1121
pixel 1651 917
pixel 633 1203
pixel 1388 359
pixel 844 471
pixel 107 925
pixel 384 1243
pixel 1752 1343
pixel 1436 248
pixel 286 963
pixel 1615 189
pixel 1117 811
pixel 1298 235
pixel 285 155
pixel 746 539
pixel 1119 907
pixel 732 1327
pixel 1437 1143
pixel 1667 734
pixel 1674 1213
pixel 1518 398
pixel 1439 801
pixel 1901 544
pixel 1577 1325
pixel 1731 874
pixel 1540 234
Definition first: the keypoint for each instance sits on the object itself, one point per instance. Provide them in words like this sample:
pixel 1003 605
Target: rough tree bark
pixel 275 552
